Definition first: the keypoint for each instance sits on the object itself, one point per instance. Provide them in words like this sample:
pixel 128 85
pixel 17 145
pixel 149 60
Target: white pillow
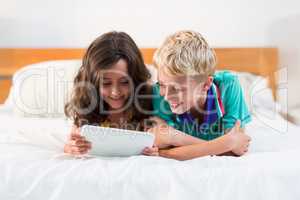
pixel 256 90
pixel 42 89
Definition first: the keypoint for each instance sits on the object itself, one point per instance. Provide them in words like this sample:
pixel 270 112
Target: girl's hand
pixel 240 140
pixel 77 144
pixel 151 151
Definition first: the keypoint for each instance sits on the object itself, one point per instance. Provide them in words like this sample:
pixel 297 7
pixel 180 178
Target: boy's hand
pixel 240 140
pixel 162 131
pixel 77 144
pixel 151 151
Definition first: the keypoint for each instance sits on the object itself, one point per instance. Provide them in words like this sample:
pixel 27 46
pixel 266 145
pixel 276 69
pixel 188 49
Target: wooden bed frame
pixel 260 61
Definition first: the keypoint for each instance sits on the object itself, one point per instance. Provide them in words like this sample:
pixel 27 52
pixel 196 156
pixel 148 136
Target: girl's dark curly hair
pixel 105 51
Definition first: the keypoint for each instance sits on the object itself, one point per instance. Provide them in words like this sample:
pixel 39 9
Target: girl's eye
pixel 106 83
pixel 124 82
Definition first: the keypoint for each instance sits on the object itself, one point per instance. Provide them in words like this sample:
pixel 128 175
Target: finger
pixel 67 148
pixel 84 151
pixel 240 153
pixel 154 118
pixel 75 132
pixel 77 142
pixel 88 146
pixel 81 152
pixel 82 144
pixel 146 129
pixel 146 152
pixel 73 142
pixel 153 149
pixel 150 151
pixel 80 141
pixel 246 145
pixel 78 153
pixel 72 136
pixel 76 136
pixel 77 150
pixel 146 149
pixel 151 130
pixel 154 154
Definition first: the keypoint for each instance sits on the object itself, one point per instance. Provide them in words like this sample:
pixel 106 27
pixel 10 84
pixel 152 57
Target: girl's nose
pixel 115 91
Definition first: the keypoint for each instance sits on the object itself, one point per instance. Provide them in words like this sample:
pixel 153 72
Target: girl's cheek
pixel 126 90
pixel 104 92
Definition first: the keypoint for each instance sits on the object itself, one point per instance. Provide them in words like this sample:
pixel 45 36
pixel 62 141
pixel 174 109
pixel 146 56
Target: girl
pixel 108 89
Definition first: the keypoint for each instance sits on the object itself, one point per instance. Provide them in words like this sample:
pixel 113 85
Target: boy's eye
pixel 161 85
pixel 177 88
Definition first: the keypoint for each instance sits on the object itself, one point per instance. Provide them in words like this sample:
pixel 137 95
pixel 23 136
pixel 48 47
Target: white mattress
pixel 32 166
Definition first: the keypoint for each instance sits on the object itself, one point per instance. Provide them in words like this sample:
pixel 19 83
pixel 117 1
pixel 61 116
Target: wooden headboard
pixel 260 61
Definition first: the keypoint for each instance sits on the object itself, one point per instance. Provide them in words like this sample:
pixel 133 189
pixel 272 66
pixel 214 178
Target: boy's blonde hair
pixel 186 53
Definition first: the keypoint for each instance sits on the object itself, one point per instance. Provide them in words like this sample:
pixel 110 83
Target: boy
pixel 190 98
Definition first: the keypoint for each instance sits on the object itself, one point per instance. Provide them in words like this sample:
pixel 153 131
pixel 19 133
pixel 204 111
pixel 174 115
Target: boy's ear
pixel 208 83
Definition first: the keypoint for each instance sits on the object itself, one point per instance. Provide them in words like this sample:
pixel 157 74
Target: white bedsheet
pixel 32 166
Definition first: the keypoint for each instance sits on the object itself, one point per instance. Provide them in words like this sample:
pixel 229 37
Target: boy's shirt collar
pixel 214 108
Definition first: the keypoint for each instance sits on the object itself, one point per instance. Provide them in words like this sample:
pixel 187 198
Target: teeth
pixel 174 105
pixel 116 99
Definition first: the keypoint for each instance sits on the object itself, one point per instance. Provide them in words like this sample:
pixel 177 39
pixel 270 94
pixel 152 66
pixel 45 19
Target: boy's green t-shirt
pixel 225 106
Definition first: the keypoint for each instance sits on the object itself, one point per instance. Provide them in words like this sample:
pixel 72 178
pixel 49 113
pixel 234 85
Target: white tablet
pixel 116 142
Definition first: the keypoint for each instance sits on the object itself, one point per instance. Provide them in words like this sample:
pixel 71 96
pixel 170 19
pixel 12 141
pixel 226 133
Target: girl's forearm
pixel 217 146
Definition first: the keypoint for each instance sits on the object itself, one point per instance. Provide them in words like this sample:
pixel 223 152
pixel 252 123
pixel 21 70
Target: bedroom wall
pixel 232 23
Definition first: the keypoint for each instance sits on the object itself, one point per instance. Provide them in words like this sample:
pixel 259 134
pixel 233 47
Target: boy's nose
pixel 170 94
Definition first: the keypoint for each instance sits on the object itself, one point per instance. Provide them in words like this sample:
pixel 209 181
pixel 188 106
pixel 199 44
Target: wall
pixel 231 23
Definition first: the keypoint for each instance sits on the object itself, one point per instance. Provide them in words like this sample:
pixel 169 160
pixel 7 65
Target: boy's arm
pixel 167 136
pixel 217 146
pixel 235 141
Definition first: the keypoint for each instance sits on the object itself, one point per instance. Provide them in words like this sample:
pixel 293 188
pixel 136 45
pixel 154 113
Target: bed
pixel 32 165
